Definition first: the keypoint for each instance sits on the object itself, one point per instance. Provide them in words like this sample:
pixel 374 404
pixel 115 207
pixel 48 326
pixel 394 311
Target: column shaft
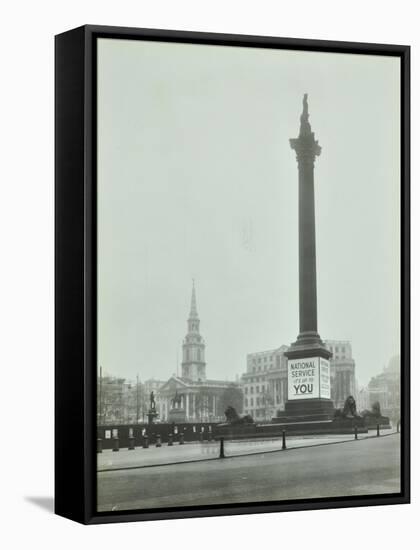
pixel 307 249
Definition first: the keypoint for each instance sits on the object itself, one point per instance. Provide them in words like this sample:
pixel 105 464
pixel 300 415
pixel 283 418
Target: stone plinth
pixel 177 415
pixel 151 416
pixel 309 384
pixel 306 410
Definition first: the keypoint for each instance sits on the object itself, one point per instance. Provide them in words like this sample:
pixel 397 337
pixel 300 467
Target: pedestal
pixel 151 416
pixel 308 383
pixel 177 415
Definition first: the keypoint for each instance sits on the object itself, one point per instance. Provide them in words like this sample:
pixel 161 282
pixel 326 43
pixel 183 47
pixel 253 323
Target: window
pixel 246 389
pixel 265 359
pixel 246 402
pixel 252 402
pixel 258 389
pixel 252 389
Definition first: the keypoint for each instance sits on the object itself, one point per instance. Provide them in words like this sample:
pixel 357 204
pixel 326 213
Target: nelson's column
pixel 308 368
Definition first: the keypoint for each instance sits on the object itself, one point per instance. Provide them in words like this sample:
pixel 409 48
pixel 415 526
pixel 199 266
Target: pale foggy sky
pixel 196 178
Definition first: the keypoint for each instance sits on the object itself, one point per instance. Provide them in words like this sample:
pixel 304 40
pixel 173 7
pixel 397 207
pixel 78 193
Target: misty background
pixel 196 179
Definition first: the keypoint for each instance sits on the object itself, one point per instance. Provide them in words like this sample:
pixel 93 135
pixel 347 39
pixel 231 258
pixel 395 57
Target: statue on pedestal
pixel 152 401
pixel 176 400
pixel 152 414
pixel 177 412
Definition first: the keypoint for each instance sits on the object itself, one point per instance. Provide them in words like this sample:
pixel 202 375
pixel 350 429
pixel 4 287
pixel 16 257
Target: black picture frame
pixel 75 271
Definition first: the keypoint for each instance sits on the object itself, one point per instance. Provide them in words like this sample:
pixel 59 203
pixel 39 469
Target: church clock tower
pixel 193 347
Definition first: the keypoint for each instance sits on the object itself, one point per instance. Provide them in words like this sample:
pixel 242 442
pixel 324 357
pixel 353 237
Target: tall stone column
pixel 308 358
pixel 307 149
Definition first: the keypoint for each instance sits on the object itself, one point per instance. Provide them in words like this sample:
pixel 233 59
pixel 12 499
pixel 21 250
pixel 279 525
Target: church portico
pixel 201 401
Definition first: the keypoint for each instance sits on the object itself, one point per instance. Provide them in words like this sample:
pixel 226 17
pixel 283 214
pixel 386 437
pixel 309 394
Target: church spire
pixel 193 310
pixel 193 348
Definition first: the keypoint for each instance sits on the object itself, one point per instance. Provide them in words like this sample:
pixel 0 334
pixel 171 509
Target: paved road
pixel 109 460
pixel 369 466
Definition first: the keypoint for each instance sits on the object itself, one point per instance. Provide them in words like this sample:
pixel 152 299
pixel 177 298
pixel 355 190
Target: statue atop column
pixel 306 146
pixel 308 358
pixel 305 127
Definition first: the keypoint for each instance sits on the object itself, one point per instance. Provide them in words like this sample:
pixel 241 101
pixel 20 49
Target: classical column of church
pixel 308 359
pixel 193 348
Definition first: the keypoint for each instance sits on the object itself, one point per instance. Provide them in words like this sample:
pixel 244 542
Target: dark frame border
pixel 75 272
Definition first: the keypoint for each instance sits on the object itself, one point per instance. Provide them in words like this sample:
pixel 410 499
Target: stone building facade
pixel 264 383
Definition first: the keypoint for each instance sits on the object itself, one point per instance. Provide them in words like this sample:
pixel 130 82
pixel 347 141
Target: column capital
pixel 306 148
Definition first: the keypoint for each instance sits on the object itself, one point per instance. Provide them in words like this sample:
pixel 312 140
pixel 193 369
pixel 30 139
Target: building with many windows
pixel 264 383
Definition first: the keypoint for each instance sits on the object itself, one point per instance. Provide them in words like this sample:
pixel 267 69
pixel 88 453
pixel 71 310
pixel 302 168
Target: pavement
pixel 367 466
pixel 153 456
